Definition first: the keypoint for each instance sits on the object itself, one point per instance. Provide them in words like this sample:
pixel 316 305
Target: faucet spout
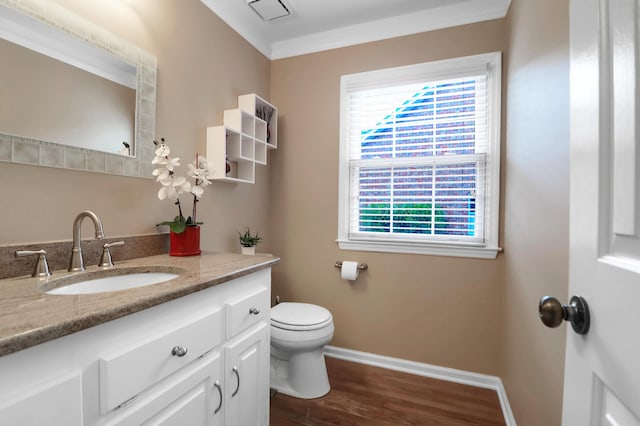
pixel 76 263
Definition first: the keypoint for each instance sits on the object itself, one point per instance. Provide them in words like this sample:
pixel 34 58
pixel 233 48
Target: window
pixel 419 158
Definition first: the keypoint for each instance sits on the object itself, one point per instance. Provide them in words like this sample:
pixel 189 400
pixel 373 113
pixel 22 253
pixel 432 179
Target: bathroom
pixel 476 315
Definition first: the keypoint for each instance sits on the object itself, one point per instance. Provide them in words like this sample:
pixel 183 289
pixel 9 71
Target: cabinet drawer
pixel 191 397
pixel 125 373
pixel 247 310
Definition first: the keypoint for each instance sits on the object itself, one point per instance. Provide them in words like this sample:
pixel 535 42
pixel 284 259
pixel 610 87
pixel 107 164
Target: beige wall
pixel 203 66
pixel 439 310
pixel 536 193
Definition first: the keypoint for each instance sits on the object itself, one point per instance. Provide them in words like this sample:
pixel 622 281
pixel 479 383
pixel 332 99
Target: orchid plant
pixel 173 186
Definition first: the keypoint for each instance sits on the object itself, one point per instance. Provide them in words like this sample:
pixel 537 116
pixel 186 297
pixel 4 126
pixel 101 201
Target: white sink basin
pixel 109 280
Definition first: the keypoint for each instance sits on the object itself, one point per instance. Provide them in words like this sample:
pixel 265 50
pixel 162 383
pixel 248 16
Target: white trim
pixel 491 62
pixel 430 249
pixel 427 370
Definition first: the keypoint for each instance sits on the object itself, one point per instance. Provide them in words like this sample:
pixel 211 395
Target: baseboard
pixel 428 370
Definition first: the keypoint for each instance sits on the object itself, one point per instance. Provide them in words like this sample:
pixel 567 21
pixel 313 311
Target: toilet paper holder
pixel 361 266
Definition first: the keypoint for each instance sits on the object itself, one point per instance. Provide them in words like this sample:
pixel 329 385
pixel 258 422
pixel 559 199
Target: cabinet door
pixel 55 403
pixel 192 396
pixel 247 378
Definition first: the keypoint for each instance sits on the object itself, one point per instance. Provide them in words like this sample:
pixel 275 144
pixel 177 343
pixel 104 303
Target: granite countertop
pixel 29 317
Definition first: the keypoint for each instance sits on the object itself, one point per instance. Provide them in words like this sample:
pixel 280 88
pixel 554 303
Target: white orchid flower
pixel 160 174
pixel 193 170
pixel 168 192
pixel 184 187
pixel 203 163
pixel 171 187
pixel 163 150
pixel 197 190
pixel 159 160
pixel 202 171
pixel 172 162
pixel 204 181
pixel 178 180
pixel 199 174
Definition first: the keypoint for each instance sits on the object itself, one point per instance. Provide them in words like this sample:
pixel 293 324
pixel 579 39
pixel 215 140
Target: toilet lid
pixel 299 315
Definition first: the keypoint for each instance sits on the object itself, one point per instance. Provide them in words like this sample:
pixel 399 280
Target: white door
pixel 602 372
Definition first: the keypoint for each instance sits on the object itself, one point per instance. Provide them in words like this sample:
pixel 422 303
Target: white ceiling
pixel 316 25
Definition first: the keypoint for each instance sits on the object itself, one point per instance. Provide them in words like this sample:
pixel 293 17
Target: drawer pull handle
pixel 254 311
pixel 179 351
pixel 235 370
pixel 217 385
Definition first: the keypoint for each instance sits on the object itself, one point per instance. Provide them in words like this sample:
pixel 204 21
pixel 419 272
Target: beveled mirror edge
pixel 22 150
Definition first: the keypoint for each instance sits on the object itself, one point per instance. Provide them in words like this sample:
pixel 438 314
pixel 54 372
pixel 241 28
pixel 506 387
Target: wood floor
pixel 366 395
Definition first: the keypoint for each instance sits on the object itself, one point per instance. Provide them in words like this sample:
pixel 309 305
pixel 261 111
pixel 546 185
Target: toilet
pixel 299 332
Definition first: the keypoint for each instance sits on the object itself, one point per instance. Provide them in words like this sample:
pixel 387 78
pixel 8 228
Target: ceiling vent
pixel 269 10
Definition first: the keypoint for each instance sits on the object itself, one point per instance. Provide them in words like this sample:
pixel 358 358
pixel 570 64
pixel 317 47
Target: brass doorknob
pixel 552 313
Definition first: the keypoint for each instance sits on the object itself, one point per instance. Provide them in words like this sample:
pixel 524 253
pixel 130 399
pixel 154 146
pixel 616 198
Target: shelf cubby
pixel 247 148
pixel 224 144
pixel 243 140
pixel 261 153
pixel 257 106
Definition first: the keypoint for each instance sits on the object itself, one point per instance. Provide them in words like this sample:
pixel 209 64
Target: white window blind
pixel 419 151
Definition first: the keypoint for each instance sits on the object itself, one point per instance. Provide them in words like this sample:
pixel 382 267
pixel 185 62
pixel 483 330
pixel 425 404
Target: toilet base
pixel 303 375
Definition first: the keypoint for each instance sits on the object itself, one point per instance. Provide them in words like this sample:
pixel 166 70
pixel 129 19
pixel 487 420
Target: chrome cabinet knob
pixel 179 351
pixel 552 313
pixel 254 311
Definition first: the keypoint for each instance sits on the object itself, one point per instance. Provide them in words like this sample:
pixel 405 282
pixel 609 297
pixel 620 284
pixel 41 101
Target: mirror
pixel 103 122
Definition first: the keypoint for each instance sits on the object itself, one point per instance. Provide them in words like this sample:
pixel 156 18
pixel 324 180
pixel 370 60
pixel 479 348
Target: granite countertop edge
pixel 29 317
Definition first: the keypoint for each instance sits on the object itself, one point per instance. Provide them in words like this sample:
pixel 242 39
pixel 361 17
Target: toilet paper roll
pixel 349 270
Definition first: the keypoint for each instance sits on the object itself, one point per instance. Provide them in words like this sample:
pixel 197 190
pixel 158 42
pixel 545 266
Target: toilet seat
pixel 300 316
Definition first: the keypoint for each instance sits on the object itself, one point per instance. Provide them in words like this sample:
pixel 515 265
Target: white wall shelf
pixel 243 140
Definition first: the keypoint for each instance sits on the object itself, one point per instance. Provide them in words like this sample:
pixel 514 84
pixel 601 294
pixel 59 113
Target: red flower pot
pixel 186 243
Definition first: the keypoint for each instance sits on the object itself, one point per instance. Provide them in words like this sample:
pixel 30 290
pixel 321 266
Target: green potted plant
pixel 249 242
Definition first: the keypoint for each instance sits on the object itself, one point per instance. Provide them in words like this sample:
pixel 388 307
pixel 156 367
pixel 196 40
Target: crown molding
pixel 396 26
pixel 459 13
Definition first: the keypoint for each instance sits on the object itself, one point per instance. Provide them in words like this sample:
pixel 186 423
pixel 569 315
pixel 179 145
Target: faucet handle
pixel 105 259
pixel 42 267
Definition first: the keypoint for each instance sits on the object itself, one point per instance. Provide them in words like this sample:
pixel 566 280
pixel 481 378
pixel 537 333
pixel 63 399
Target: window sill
pixel 478 252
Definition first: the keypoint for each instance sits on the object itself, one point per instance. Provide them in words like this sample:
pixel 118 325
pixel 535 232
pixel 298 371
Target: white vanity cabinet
pixel 58 402
pixel 202 359
pixel 247 359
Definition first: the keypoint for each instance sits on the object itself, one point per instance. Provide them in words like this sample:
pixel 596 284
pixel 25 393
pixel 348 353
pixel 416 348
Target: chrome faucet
pixel 76 263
